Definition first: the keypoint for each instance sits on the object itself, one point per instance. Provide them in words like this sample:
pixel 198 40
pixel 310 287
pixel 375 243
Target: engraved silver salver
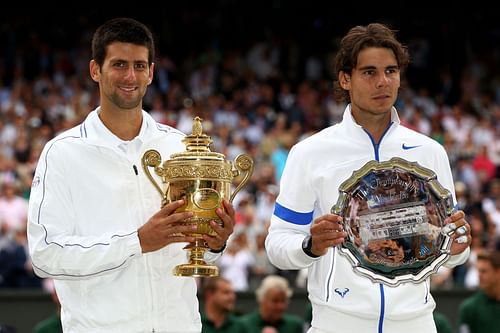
pixel 393 213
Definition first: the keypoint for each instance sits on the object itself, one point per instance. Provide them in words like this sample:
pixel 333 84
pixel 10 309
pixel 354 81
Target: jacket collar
pixel 354 129
pixel 94 131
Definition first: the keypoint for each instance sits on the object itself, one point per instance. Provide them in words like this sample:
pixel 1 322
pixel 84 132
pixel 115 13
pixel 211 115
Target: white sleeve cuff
pixel 458 259
pixel 211 257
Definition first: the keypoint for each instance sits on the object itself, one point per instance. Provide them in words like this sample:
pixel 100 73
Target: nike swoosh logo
pixel 405 147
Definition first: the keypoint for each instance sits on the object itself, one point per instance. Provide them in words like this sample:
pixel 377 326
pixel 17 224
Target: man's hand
pixel 326 232
pixel 165 228
pixel 459 231
pixel 223 231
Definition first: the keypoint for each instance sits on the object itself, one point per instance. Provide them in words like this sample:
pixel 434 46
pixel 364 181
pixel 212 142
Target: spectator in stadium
pixel 219 300
pixel 480 312
pixel 273 296
pixel 16 270
pixel 95 225
pixel 13 208
pixel 303 232
pixel 443 324
pixel 51 324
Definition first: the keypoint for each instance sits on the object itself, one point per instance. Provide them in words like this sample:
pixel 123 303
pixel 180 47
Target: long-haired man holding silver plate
pixel 305 234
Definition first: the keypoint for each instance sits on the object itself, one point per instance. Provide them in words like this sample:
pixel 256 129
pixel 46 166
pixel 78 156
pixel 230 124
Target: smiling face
pixel 123 77
pixel 373 84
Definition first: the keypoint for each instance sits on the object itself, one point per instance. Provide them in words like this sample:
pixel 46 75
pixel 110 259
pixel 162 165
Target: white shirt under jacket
pixel 315 169
pixel 89 196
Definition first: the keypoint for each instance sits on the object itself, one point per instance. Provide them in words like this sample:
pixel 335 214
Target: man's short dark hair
pixel 125 30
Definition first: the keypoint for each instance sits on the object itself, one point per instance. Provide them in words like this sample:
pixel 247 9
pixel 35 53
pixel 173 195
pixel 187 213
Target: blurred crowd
pixel 259 99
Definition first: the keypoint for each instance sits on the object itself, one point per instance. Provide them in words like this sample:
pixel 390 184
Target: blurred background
pixel 260 75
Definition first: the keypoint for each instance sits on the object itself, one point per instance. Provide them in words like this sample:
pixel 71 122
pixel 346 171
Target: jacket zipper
pixel 151 295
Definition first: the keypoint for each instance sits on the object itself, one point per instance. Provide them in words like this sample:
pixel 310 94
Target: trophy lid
pixel 197 145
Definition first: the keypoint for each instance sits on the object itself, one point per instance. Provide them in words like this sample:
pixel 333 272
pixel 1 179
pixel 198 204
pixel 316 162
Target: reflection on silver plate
pixel 393 213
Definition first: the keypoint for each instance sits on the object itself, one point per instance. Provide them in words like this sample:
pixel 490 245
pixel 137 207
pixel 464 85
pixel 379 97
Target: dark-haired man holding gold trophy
pixel 109 232
pixel 367 205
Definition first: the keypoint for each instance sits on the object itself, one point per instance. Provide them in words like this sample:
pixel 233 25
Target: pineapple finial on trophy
pixel 197 141
pixel 197 129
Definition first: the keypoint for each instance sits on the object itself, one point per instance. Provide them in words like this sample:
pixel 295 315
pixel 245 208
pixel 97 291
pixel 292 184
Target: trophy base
pixel 196 270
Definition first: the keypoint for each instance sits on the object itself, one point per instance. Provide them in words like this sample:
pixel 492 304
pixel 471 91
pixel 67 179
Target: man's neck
pixel 125 125
pixel 375 124
pixel 217 316
pixel 494 293
pixel 268 318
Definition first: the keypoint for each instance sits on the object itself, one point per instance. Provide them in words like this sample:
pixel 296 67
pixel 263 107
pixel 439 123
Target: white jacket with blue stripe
pixel 314 171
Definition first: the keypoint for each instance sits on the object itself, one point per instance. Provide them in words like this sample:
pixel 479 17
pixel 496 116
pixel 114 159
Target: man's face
pixel 373 85
pixel 488 276
pixel 224 296
pixel 274 305
pixel 124 76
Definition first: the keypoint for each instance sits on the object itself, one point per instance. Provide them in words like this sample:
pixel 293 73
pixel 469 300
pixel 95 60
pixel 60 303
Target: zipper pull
pixel 135 170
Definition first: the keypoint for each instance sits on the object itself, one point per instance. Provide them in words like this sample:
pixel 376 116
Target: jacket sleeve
pixel 445 178
pixel 56 250
pixel 292 216
pixel 284 246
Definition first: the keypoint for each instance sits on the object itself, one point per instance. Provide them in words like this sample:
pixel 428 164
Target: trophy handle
pixel 242 163
pixel 152 158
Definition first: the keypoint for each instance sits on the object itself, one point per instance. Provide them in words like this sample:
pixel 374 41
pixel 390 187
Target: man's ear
pixel 95 73
pixel 345 80
pixel 151 73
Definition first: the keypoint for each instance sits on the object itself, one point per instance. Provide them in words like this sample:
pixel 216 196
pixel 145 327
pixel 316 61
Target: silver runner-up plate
pixel 393 213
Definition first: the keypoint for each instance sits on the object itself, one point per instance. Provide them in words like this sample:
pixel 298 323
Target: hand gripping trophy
pixel 203 179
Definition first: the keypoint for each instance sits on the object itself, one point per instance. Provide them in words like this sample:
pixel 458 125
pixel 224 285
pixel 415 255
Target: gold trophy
pixel 203 179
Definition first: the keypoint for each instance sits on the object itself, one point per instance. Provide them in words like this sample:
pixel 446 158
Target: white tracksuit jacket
pixel 87 201
pixel 315 169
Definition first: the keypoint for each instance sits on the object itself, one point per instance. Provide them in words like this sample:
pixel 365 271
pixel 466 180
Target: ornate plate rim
pixel 439 191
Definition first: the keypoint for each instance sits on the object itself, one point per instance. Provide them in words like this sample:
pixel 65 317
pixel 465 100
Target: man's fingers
pixel 449 228
pixel 228 207
pixel 331 236
pixel 462 230
pixel 328 218
pixel 183 228
pixel 171 207
pixel 179 238
pixel 457 216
